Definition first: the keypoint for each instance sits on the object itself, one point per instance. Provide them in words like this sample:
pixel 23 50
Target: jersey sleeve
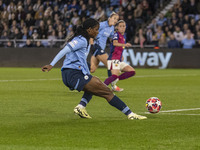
pixel 115 37
pixel 63 52
pixel 112 32
pixel 77 44
pixel 74 45
pixel 124 38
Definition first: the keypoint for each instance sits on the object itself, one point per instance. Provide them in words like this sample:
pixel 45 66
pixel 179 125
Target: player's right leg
pixel 98 88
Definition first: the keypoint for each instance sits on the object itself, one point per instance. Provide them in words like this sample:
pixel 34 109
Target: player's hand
pixel 47 68
pixel 128 45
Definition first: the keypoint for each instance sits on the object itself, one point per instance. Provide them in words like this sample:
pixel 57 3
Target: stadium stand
pixel 48 23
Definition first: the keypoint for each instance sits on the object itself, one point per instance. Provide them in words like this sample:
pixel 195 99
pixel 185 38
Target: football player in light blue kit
pixel 98 46
pixel 76 74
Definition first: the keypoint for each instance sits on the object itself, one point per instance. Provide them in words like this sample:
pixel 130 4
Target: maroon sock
pixel 126 75
pixel 110 79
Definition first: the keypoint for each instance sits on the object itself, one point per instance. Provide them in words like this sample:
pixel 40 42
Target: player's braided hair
pixel 82 29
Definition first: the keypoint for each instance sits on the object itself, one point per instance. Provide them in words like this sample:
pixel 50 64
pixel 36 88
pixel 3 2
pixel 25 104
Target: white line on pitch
pixel 142 76
pixel 174 114
pixel 166 111
pixel 28 80
pixel 180 114
pixel 166 75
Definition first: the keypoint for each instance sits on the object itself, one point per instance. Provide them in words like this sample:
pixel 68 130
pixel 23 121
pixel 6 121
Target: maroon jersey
pixel 116 51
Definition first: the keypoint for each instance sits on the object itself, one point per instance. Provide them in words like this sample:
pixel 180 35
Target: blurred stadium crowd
pixel 48 23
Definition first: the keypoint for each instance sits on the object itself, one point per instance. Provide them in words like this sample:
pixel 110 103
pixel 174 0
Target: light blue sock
pixel 85 99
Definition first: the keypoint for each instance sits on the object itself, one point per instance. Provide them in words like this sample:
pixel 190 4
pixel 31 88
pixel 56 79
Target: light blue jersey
pixel 76 52
pixel 105 31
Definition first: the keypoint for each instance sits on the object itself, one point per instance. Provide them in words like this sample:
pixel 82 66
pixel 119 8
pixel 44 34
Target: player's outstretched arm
pixel 63 52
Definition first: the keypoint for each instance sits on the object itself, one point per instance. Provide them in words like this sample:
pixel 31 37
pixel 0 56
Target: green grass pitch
pixel 36 112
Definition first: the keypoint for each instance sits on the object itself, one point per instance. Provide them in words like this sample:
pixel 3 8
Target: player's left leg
pixel 113 77
pixel 128 72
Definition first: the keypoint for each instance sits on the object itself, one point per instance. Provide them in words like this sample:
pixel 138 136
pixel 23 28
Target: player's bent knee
pixel 103 90
pixel 93 68
pixel 107 93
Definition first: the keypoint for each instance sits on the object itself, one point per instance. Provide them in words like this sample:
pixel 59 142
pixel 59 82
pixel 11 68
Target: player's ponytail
pixel 79 31
pixel 82 29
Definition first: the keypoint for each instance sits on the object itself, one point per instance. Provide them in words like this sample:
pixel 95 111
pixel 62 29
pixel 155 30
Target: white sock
pixel 113 84
pixel 131 113
pixel 81 106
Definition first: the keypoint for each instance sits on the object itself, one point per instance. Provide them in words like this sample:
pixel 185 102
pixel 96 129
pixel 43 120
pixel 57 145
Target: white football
pixel 153 105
